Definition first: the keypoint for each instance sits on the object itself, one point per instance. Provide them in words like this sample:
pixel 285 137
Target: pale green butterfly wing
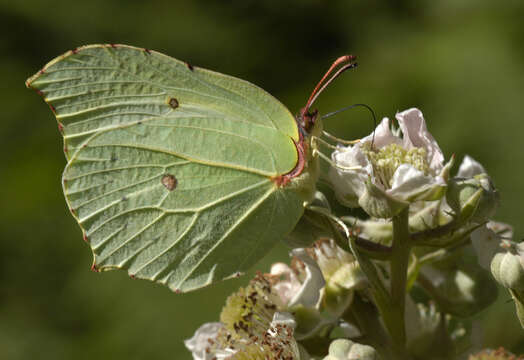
pixel 170 167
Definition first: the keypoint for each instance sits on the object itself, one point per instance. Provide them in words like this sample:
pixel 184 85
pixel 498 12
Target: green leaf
pixel 170 167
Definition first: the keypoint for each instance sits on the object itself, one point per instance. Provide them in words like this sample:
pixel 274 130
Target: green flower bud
pixel 343 349
pixel 508 268
pixel 473 199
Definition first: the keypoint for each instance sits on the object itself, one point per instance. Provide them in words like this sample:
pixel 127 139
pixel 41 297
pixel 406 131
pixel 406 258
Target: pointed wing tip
pixel 31 79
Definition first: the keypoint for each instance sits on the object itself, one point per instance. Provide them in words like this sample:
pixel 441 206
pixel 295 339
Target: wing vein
pixel 231 229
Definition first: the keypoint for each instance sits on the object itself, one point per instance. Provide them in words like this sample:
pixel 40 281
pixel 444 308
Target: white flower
pixel 486 241
pixel 300 289
pixel 391 171
pixel 319 285
pixel 293 290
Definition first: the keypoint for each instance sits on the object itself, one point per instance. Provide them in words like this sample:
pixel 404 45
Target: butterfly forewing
pixel 149 99
pixel 170 166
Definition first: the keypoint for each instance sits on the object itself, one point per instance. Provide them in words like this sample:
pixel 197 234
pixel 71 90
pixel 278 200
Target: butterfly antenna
pixel 343 63
pixel 351 107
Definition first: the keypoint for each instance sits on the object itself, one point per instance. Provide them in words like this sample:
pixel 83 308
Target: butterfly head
pixel 307 118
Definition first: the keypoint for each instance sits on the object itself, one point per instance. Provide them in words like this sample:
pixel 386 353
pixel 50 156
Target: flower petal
pixel 486 241
pixel 310 291
pixel 288 286
pixel 470 167
pixel 382 136
pixel 349 185
pixel 416 134
pixel 283 318
pixel 410 184
pixel 200 340
pixel 349 330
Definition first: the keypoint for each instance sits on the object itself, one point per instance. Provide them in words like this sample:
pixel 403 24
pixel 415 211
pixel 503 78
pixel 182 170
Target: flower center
pixel 386 161
pixel 249 332
pixel 250 310
pixel 277 343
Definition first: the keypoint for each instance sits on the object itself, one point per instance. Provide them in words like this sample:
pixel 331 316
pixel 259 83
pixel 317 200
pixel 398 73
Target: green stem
pixel 401 249
pixel 391 306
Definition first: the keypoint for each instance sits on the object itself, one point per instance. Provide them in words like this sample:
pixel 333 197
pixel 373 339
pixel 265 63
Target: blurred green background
pixel 460 62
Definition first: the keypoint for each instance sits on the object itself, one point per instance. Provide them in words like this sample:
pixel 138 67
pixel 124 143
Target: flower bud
pixel 343 349
pixel 508 268
pixel 473 199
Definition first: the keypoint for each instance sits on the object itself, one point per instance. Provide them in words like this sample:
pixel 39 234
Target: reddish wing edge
pixel 283 180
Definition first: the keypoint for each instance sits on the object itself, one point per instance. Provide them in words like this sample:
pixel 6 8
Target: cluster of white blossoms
pixel 266 319
pixel 336 300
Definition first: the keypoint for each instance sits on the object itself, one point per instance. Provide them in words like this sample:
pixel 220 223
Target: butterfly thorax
pixel 305 174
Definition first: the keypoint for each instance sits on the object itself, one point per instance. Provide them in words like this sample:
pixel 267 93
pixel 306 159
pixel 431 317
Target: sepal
pixel 378 203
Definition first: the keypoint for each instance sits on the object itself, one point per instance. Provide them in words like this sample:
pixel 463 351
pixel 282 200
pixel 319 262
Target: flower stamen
pixel 386 160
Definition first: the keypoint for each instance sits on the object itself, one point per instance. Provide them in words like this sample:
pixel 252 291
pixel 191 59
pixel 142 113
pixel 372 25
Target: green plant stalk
pixel 393 316
pixel 401 249
pixel 390 316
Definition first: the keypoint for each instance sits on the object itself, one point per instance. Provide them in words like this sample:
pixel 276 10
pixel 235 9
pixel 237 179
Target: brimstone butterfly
pixel 178 174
